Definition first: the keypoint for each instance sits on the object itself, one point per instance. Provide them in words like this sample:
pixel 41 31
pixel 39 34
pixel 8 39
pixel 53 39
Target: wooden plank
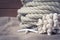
pixel 10 4
pixel 8 12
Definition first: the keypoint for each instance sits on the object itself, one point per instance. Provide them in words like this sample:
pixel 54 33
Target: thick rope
pixel 50 8
pixel 45 10
pixel 46 0
pixel 42 3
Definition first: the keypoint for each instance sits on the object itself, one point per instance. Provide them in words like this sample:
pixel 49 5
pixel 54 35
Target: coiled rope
pixel 35 9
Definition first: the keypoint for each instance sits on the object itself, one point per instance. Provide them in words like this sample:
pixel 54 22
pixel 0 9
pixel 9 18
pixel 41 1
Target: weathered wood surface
pixel 10 4
pixel 8 12
pixel 9 7
pixel 9 27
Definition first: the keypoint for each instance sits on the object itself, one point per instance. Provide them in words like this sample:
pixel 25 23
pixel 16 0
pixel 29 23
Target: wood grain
pixel 8 12
pixel 9 7
pixel 10 4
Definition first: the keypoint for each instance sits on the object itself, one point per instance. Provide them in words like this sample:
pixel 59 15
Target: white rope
pixel 27 30
pixel 57 4
pixel 38 7
pixel 36 10
pixel 51 8
pixel 45 0
pixel 25 19
pixel 24 25
pixel 34 16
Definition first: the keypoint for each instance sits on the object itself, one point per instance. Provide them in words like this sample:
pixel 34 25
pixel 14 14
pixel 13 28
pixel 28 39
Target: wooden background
pixel 9 7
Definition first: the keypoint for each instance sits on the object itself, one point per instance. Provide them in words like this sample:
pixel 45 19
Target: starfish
pixel 27 30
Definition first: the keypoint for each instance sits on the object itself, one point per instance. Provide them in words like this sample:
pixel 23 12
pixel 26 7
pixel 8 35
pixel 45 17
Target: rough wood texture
pixel 9 27
pixel 9 7
pixel 8 12
pixel 10 4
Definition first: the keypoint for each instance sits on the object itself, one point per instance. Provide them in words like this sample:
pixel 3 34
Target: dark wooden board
pixel 10 4
pixel 9 7
pixel 8 12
